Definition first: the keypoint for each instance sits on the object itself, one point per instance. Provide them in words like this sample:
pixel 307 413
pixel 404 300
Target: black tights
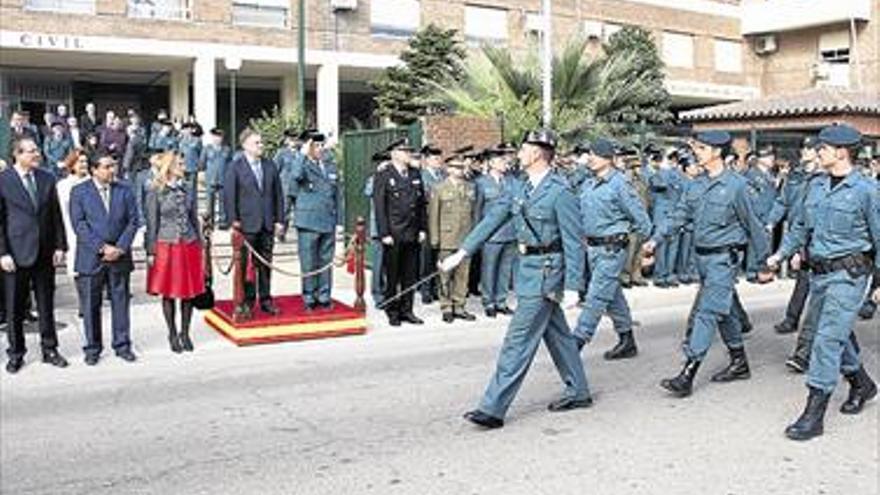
pixel 186 311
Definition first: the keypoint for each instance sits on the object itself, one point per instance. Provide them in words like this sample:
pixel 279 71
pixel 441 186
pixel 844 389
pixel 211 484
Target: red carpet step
pixel 293 323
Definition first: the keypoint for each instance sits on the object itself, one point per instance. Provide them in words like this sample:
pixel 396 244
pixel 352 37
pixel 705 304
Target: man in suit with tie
pixel 32 242
pixel 316 214
pixel 105 218
pixel 255 207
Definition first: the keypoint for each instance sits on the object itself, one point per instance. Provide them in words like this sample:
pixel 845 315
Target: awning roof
pixel 813 102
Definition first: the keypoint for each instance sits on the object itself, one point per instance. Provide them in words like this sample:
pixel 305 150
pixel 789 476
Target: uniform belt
pixel 609 240
pixel 857 264
pixel 707 251
pixel 553 247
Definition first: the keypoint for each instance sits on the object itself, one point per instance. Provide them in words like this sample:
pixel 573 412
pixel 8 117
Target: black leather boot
pixel 737 369
pixel 811 422
pixel 625 348
pixel 683 384
pixel 861 389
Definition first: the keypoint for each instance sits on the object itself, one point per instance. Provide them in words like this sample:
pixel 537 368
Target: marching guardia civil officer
pixel 839 224
pixel 724 222
pixel 500 250
pixel 545 217
pixel 315 217
pixel 610 210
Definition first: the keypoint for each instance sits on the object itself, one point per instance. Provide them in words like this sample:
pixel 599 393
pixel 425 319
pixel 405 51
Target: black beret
pixel 541 137
pixel 400 144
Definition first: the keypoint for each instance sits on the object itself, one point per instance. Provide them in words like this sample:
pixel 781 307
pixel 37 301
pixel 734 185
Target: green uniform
pixel 450 218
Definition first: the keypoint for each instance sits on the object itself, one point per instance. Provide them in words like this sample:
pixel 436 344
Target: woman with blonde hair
pixel 77 166
pixel 173 246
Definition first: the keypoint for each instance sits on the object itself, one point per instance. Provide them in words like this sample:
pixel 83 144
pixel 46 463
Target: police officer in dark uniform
pixel 401 220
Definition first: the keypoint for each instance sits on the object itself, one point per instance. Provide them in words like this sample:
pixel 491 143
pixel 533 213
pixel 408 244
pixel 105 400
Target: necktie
pixel 31 187
pixel 258 173
pixel 105 197
pixel 529 188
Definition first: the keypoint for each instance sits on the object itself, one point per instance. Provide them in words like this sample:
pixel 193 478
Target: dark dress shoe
pixel 491 312
pixel 269 308
pixel 464 315
pixel 92 359
pixel 480 418
pixel 243 312
pixel 640 283
pixel 31 316
pixel 867 311
pixel 394 322
pixel 797 364
pixel 55 359
pixel 310 306
pixel 326 304
pixel 448 317
pixel 504 310
pixel 14 365
pixel 747 327
pixel 411 318
pixel 568 403
pixel 126 355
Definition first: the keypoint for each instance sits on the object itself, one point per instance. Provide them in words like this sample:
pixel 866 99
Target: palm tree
pixel 590 95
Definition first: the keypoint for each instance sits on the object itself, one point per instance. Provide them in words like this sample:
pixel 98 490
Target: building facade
pixel 183 54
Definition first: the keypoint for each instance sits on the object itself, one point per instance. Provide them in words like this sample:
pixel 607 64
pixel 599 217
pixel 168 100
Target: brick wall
pixel 451 132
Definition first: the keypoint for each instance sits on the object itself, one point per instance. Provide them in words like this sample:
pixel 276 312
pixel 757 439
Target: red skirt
pixel 178 271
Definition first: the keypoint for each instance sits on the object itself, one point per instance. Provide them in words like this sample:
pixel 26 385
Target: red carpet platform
pixel 294 322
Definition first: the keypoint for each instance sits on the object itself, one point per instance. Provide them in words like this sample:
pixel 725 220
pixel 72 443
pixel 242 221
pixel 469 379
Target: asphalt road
pixel 381 414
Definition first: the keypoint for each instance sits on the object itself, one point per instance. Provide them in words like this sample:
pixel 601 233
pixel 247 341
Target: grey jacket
pixel 171 216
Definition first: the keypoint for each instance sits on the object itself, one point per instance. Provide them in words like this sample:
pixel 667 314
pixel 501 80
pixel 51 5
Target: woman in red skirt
pixel 174 249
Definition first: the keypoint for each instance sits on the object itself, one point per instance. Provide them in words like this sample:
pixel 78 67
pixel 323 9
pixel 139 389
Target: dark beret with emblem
pixel 766 151
pixel 216 131
pixel 840 135
pixel 541 137
pixel 810 142
pixel 581 148
pixel 428 150
pixel 717 139
pixel 401 144
pixel 311 135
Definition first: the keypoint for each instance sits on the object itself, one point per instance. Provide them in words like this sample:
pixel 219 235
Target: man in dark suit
pixel 32 242
pixel 105 218
pixel 255 207
pixel 399 203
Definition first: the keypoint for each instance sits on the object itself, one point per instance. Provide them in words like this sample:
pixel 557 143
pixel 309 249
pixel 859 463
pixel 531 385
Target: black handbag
pixel 205 300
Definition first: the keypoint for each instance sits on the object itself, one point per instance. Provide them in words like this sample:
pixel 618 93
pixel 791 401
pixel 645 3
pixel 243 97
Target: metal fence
pixel 358 147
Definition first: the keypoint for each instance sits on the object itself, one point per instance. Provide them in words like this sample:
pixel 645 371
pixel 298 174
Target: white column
pixel 205 92
pixel 289 94
pixel 178 93
pixel 328 98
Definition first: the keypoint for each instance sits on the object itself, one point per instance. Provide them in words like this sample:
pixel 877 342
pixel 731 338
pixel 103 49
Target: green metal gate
pixel 357 149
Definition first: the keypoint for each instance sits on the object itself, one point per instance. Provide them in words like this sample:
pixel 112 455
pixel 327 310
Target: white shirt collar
pixel 21 172
pixel 536 179
pixel 99 185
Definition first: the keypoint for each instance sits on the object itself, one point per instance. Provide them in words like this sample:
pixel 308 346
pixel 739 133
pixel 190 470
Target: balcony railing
pixel 66 6
pixel 164 10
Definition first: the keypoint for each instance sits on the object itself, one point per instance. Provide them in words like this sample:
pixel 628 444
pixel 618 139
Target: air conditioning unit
pixel 344 4
pixel 765 45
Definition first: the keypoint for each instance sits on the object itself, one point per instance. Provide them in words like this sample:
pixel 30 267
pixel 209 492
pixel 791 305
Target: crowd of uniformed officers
pixel 560 231
pixel 557 231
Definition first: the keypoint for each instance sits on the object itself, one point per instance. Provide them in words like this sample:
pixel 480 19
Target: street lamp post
pixel 547 64
pixel 233 65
